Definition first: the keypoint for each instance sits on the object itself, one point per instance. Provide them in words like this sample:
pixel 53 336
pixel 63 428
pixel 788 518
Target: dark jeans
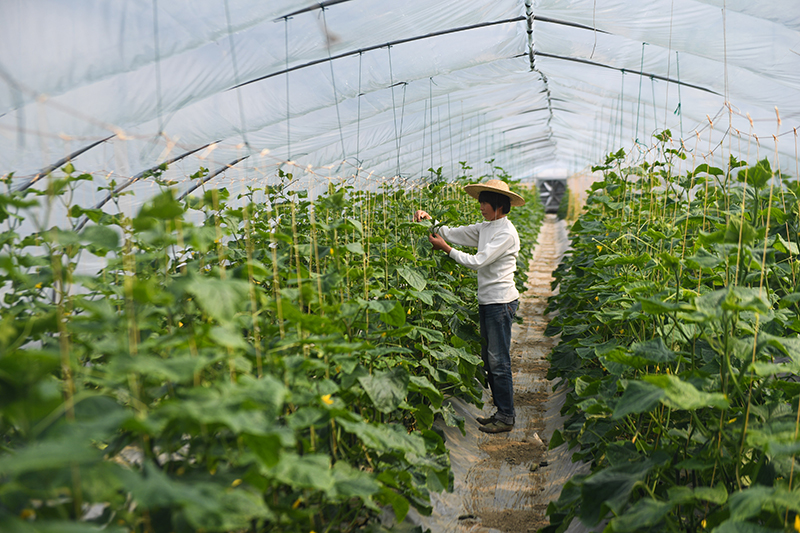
pixel 495 322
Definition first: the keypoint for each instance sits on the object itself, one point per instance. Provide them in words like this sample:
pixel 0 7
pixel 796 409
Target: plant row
pixel 271 362
pixel 679 350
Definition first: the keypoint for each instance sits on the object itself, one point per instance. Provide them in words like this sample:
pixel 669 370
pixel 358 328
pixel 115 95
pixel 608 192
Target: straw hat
pixel 498 186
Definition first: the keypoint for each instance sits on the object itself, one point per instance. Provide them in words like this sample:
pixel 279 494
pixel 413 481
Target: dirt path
pixel 504 482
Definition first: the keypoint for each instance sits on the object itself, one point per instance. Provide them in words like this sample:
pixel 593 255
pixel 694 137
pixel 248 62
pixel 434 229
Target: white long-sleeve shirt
pixel 496 261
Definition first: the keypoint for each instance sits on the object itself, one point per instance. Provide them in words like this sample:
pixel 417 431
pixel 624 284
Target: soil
pixel 522 521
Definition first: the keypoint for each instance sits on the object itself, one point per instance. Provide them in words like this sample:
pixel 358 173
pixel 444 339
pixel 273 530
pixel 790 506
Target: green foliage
pixel 678 322
pixel 261 363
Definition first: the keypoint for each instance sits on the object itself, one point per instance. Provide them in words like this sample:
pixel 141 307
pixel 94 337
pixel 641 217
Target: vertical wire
pixel 450 129
pixel 422 159
pixel 333 82
pixel 157 50
pixel 639 100
pixel 358 117
pixel 430 107
pixel 669 63
pixel 394 110
pixel 441 145
pixel 461 146
pixel 288 114
pixel 236 75
pixel 402 122
pixel 655 109
pixel 621 106
pixel 680 103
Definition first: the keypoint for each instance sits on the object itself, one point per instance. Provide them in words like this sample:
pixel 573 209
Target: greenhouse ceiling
pixel 386 90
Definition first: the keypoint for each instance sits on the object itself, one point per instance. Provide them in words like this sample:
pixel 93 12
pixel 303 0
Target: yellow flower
pixel 797 522
pixel 297 503
pixel 236 482
pixel 39 285
pixel 599 248
pixel 597 298
pixel 327 399
pixel 703 523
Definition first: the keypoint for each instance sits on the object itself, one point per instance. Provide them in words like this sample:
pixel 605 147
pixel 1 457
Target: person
pixel 498 245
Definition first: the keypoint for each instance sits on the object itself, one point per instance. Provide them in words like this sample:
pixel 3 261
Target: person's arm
pixel 439 243
pixel 499 245
pixel 462 235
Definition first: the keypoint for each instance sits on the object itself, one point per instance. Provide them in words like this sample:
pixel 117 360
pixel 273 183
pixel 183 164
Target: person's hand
pixel 439 243
pixel 421 215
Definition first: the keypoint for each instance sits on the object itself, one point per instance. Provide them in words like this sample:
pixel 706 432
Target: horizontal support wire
pixel 320 5
pixel 139 176
pixel 48 169
pixel 378 47
pixel 627 71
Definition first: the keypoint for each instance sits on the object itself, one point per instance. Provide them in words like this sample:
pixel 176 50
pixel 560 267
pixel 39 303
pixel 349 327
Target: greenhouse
pixel 226 305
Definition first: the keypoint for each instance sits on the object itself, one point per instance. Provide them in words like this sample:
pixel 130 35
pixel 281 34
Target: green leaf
pixel 657 306
pixel 312 471
pixel 412 276
pixel 163 206
pixel 424 386
pixel 787 247
pixel 703 259
pixel 642 516
pixel 609 489
pixel 399 504
pixel 682 395
pixel 101 236
pixel 654 351
pixel 386 437
pixel 738 229
pixel 708 169
pixel 355 248
pixel 717 495
pixel 396 316
pixel 756 176
pixel 386 389
pixel 639 397
pixel 220 299
pixel 349 482
pixel 266 447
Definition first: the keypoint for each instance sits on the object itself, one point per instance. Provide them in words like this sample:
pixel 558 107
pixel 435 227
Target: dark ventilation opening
pixel 551 192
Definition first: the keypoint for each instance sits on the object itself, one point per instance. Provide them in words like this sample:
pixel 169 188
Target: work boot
pixel 483 420
pixel 496 426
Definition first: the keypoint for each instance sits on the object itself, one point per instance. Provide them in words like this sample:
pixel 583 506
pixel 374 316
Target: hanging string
pixel 288 114
pixel 358 119
pixel 236 75
pixel 669 63
pixel 655 110
pixel 430 107
pixel 333 82
pixel 402 120
pixel 639 100
pixel 394 109
pixel 450 129
pixel 678 109
pixel 157 50
pixel 422 159
pixel 621 106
